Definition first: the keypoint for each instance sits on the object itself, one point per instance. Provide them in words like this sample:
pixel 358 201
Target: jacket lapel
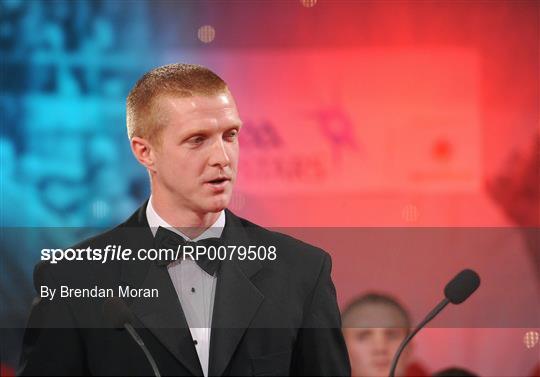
pixel 236 300
pixel 163 315
pixel 235 304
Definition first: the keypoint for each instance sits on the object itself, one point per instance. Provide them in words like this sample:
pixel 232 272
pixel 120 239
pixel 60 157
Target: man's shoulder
pixel 298 265
pixel 289 247
pixel 83 263
pixel 89 254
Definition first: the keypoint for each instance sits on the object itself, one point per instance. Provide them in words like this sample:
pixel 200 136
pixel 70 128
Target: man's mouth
pixel 218 181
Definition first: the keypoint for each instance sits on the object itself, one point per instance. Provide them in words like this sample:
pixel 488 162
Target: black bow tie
pixel 167 239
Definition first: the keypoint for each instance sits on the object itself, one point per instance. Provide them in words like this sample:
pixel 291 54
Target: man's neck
pixel 189 222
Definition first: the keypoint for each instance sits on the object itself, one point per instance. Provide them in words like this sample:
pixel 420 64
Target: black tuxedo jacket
pixel 270 317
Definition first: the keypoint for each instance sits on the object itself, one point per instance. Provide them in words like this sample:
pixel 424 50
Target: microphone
pixel 462 286
pixel 118 315
pixel 456 291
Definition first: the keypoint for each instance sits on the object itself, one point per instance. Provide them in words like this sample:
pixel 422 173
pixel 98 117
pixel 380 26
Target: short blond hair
pixel 179 80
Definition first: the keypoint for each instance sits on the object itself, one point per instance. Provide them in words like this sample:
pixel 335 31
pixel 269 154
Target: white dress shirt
pixel 195 288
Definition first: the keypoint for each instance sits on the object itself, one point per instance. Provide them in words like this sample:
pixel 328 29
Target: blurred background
pixel 358 114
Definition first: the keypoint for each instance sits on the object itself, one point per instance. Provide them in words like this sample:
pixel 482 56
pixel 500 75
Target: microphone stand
pixel 405 341
pixel 141 344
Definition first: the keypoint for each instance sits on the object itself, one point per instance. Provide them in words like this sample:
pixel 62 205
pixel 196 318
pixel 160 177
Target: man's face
pixel 373 337
pixel 196 156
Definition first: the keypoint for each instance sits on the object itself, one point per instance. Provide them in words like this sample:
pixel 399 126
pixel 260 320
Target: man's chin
pixel 218 205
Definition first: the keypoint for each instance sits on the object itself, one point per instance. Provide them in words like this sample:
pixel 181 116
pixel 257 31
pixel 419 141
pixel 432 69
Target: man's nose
pixel 380 344
pixel 218 154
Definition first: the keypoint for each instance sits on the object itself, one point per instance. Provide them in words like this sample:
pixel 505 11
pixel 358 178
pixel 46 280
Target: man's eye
pixel 232 134
pixel 395 334
pixel 196 140
pixel 362 335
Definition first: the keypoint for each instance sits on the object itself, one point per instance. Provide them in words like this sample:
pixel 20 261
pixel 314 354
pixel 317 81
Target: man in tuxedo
pixel 273 314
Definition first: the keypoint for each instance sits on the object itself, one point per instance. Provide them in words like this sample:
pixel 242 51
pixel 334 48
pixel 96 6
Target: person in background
pixel 374 325
pixel 516 190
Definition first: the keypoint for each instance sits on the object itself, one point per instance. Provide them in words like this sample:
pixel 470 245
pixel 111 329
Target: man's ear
pixel 143 152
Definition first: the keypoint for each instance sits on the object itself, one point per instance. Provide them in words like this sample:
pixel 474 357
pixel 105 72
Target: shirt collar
pixel 155 221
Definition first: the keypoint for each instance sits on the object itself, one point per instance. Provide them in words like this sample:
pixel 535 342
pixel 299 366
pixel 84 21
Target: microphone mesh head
pixel 116 312
pixel 462 286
